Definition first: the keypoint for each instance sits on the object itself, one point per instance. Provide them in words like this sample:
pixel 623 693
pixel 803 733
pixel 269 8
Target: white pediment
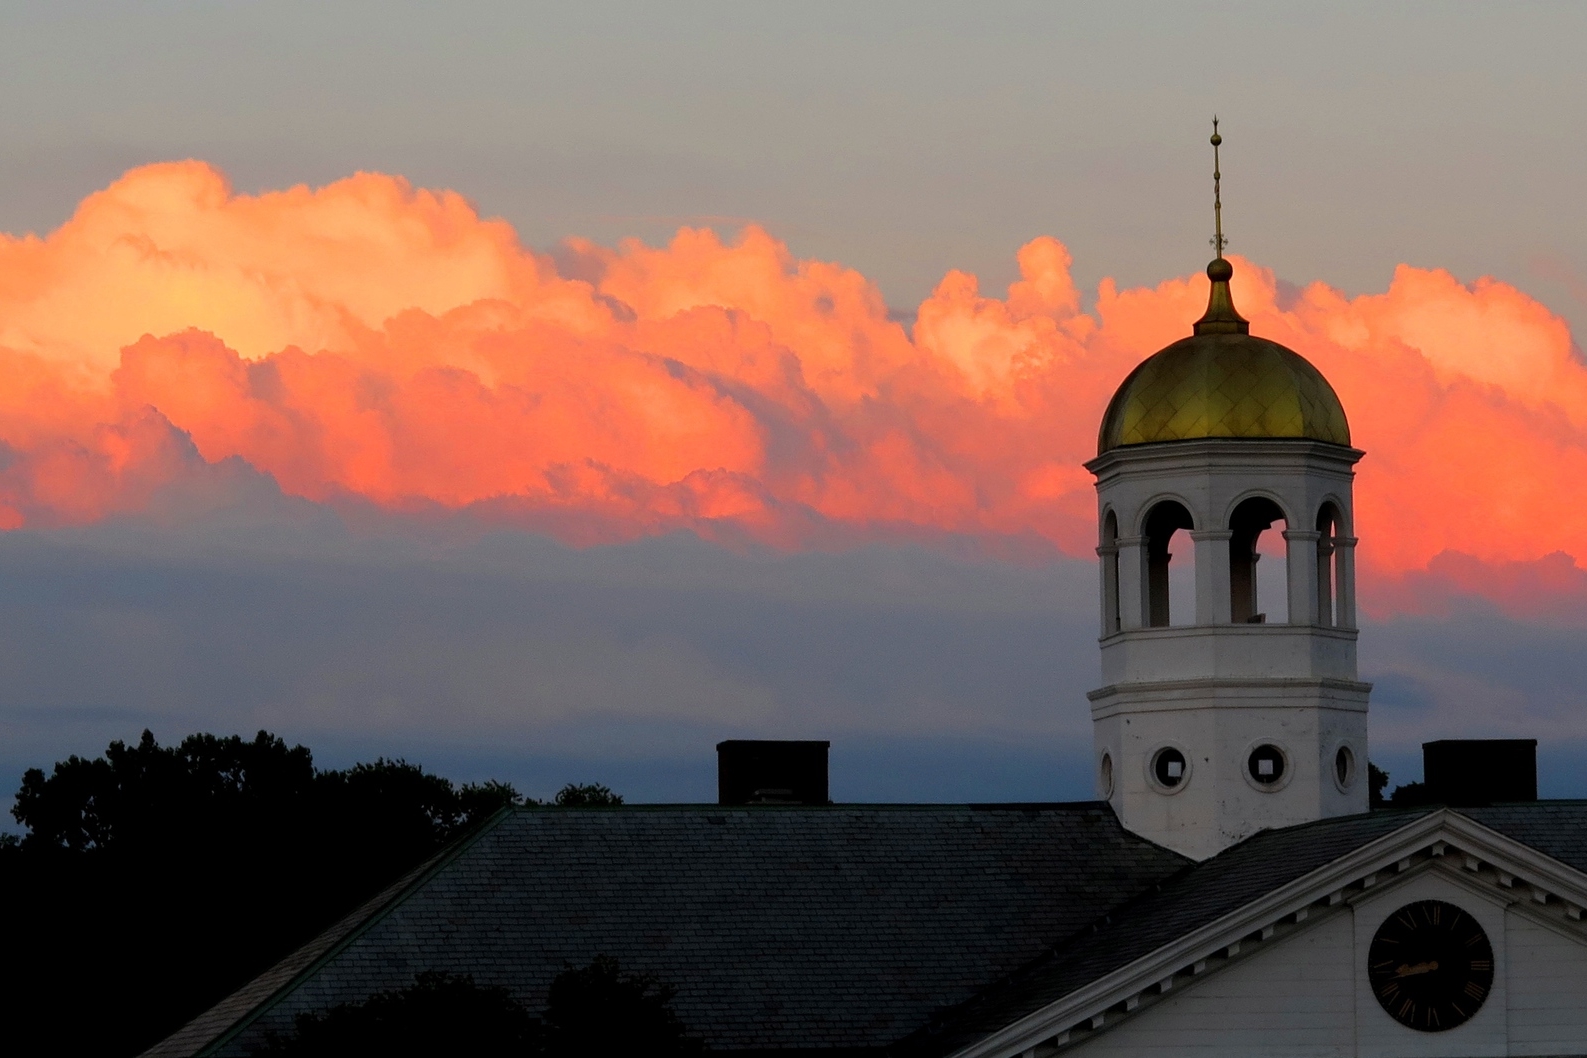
pixel 1286 974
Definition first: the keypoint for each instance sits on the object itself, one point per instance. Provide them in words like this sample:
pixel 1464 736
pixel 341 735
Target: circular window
pixel 1344 768
pixel 1430 966
pixel 1169 768
pixel 1105 776
pixel 1268 766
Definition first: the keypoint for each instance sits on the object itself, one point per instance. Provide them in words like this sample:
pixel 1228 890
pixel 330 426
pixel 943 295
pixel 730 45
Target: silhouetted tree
pixel 574 794
pixel 438 1015
pixel 148 795
pixel 1405 795
pixel 594 1011
pixel 1377 780
pixel 151 796
pixel 598 1011
pixel 154 880
pixel 479 801
pixel 1410 795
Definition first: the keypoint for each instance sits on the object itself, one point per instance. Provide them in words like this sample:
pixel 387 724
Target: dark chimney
pixel 755 772
pixel 1469 772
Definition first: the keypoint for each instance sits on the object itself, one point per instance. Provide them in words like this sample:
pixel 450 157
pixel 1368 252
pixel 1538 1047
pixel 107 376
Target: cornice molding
pixel 1215 683
pixel 1219 452
pixel 1278 629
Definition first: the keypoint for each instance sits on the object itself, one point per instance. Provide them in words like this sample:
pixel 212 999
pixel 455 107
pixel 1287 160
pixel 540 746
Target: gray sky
pixel 903 139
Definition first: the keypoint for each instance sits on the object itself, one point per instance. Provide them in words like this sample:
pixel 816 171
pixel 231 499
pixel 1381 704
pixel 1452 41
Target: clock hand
pixel 1407 970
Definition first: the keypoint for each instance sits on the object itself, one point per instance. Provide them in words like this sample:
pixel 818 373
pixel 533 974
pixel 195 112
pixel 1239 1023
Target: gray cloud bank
pixel 503 652
pixel 485 652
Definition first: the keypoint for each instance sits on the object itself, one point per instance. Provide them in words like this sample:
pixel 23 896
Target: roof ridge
pixel 1408 811
pixel 714 807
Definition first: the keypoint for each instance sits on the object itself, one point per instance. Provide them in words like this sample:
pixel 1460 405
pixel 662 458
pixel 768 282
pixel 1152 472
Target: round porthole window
pixel 1105 776
pixel 1267 766
pixel 1169 768
pixel 1344 768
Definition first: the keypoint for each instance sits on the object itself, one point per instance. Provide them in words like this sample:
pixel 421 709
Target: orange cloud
pixel 370 339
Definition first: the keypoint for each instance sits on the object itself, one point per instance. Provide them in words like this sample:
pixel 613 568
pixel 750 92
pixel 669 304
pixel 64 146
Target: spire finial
pixel 1220 317
pixel 1218 241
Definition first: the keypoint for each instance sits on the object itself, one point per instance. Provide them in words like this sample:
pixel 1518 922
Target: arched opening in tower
pixel 1258 591
pixel 1327 565
pixel 1171 596
pixel 1272 576
pixel 1110 574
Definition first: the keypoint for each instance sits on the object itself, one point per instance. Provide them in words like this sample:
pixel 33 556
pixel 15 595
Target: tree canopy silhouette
pixel 594 1011
pixel 600 1010
pixel 575 795
pixel 153 798
pixel 439 1014
pixel 154 880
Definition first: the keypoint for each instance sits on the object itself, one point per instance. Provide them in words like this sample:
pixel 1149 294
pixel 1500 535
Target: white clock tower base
pixel 1266 722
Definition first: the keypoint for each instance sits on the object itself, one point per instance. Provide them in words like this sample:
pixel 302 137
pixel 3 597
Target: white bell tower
pixel 1214 724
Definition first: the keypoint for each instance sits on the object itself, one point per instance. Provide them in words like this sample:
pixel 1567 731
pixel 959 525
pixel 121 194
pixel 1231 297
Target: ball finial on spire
pixel 1221 316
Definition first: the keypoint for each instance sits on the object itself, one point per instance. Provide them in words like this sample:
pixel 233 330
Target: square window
pixel 1264 767
pixel 1175 769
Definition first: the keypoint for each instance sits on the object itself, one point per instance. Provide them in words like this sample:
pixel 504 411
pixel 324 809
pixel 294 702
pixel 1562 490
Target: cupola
pixel 1238 708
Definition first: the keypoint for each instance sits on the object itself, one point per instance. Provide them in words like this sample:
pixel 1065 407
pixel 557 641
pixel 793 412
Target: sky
pixel 549 392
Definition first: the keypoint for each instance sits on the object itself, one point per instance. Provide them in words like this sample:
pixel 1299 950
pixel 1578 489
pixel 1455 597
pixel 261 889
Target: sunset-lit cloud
pixel 370 340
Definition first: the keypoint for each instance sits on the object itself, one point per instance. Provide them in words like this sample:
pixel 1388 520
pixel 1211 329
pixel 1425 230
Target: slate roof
pixel 782 927
pixel 1554 828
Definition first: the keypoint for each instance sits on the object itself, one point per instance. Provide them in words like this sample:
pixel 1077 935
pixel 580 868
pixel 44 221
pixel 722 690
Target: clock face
pixel 1430 965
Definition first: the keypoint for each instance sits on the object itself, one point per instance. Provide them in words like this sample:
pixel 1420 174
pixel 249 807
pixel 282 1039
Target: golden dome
pixel 1222 382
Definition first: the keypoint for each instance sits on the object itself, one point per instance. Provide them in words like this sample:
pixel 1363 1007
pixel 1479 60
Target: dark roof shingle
pixel 1554 828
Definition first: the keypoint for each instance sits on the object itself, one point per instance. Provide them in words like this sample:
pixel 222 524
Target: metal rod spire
pixel 1218 241
pixel 1220 317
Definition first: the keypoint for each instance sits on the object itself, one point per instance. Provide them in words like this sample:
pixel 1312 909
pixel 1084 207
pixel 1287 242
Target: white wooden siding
pixel 1295 999
pixel 1548 989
